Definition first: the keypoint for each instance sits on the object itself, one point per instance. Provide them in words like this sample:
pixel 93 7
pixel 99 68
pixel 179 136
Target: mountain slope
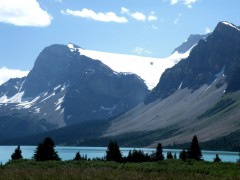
pixel 219 53
pixel 66 88
pixel 199 95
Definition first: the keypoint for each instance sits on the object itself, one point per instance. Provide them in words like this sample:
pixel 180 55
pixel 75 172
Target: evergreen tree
pixel 183 155
pixel 159 152
pixel 238 160
pixel 194 151
pixel 217 159
pixel 77 157
pixel 45 151
pixel 138 156
pixel 113 152
pixel 17 154
pixel 175 156
pixel 169 155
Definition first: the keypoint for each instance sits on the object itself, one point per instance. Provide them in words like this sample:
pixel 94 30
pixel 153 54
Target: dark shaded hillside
pixel 230 142
pixel 90 133
pixel 71 135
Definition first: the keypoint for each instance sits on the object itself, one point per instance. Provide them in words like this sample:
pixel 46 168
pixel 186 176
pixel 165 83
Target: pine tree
pixel 113 152
pixel 175 156
pixel 17 154
pixel 159 152
pixel 183 155
pixel 169 155
pixel 217 159
pixel 45 151
pixel 238 160
pixel 77 157
pixel 194 151
pixel 138 156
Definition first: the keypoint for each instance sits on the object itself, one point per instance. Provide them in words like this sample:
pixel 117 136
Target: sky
pixel 152 28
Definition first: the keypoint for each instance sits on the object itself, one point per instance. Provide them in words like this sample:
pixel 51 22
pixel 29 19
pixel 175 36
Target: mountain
pixel 69 85
pixel 199 95
pixel 72 94
pixel 148 68
pixel 190 43
pixel 65 88
pixel 211 58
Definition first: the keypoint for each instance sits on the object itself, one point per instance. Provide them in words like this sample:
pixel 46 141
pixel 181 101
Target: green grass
pixel 167 169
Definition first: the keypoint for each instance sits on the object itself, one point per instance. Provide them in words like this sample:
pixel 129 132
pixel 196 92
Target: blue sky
pixel 147 27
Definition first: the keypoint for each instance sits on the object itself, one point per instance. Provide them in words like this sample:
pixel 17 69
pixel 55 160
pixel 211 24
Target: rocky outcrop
pixel 192 40
pixel 219 53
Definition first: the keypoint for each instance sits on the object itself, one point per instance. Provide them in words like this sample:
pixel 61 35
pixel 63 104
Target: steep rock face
pixel 11 87
pixel 218 54
pixel 49 70
pixel 190 42
pixel 65 88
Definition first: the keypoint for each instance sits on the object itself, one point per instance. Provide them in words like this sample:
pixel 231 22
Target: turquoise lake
pixel 68 153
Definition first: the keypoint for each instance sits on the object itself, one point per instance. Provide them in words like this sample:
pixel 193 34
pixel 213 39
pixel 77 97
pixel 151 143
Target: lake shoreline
pixel 68 152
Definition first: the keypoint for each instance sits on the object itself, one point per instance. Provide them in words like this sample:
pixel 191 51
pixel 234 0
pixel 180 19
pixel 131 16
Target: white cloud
pixel 23 13
pixel 176 21
pixel 100 16
pixel 6 74
pixel 152 18
pixel 124 10
pixel 207 30
pixel 187 3
pixel 139 16
pixel 174 1
pixel 154 27
pixel 140 50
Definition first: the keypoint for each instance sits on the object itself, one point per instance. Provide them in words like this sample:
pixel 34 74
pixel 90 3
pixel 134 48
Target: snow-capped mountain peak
pixel 148 68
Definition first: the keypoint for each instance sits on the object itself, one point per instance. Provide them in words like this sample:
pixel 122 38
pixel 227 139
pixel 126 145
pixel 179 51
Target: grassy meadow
pixel 167 169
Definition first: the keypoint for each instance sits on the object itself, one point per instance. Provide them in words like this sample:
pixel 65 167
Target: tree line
pixel 45 151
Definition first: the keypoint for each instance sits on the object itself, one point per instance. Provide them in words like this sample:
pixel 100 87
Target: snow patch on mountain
pixel 148 68
pixel 53 94
pixel 230 24
pixel 28 104
pixel 60 101
pixel 14 99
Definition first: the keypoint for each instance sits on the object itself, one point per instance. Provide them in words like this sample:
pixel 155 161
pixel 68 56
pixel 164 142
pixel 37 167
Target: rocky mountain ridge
pixel 199 95
pixel 65 88
pixel 192 41
pixel 218 53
